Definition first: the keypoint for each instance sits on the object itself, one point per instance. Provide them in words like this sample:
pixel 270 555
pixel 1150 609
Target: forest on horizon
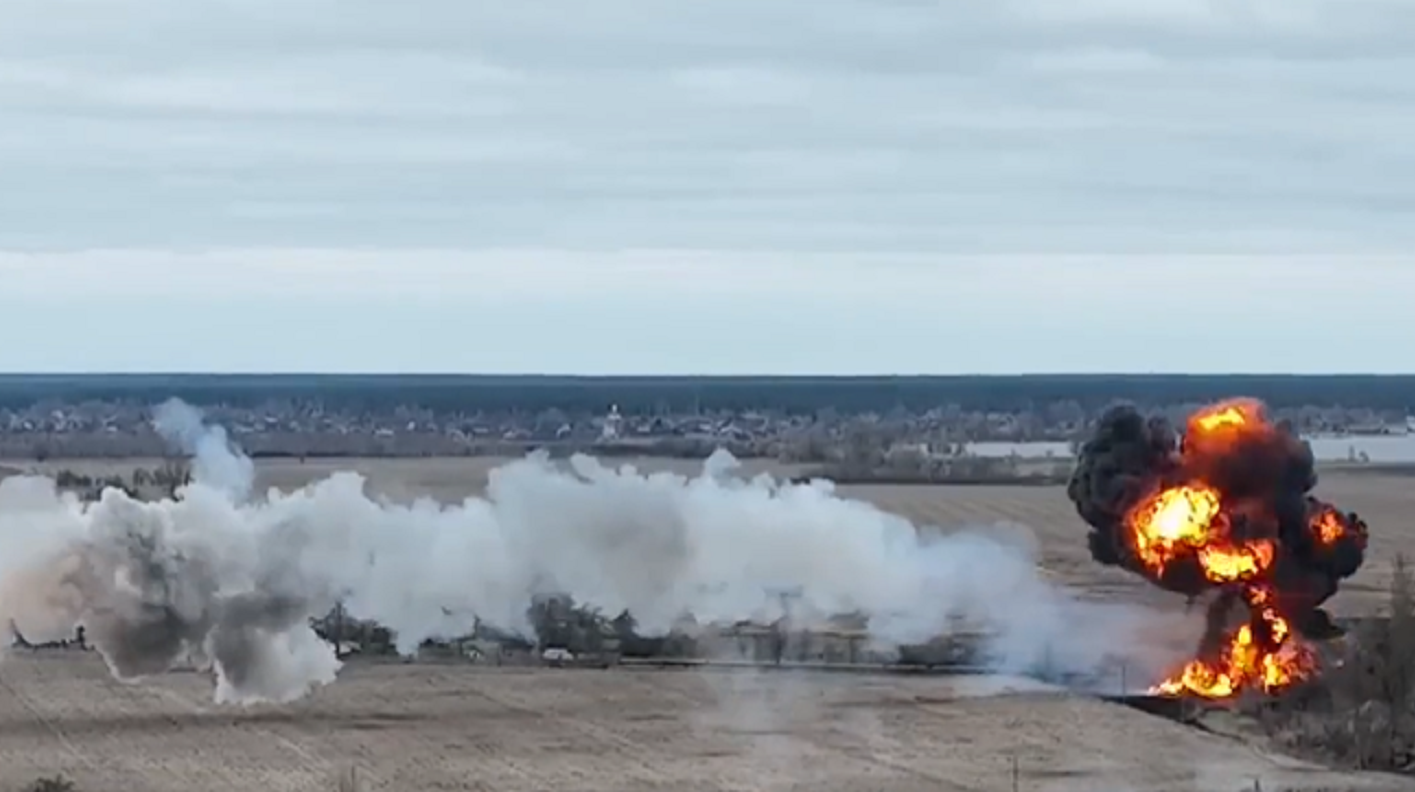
pixel 677 394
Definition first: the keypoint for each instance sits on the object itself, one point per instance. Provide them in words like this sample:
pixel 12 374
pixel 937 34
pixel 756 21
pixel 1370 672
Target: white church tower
pixel 610 429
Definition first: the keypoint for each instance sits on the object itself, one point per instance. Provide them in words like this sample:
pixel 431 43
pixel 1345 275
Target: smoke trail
pixel 235 579
pixel 217 462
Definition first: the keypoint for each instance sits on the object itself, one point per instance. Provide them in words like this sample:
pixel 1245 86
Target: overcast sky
pixel 728 186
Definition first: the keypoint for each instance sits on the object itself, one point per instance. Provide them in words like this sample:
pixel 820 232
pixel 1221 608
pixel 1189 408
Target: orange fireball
pixel 1329 525
pixel 1189 520
pixel 1174 522
pixel 1229 563
pixel 1234 415
pixel 1221 512
pixel 1231 415
pixel 1213 430
pixel 1192 520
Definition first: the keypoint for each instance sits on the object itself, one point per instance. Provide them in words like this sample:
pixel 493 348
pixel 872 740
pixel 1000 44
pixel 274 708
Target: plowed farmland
pixel 427 727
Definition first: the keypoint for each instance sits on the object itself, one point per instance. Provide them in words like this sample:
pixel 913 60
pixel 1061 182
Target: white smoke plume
pixel 233 577
pixel 216 461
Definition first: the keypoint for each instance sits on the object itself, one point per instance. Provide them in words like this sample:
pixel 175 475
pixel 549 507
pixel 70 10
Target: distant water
pixel 1377 448
pixel 1026 450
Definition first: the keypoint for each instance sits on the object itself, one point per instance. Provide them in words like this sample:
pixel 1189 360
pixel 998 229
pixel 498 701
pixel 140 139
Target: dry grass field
pixel 425 726
pixel 410 728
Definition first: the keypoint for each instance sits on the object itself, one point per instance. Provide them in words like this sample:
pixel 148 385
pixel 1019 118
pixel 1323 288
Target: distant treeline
pixel 474 393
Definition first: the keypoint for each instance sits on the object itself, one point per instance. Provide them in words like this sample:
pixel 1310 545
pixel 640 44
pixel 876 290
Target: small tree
pixel 1362 709
pixel 56 783
pixel 1399 678
pixel 348 779
pixel 1377 684
pixel 172 476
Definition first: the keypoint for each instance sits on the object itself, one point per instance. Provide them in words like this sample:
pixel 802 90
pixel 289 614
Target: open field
pixel 435 726
pixel 426 727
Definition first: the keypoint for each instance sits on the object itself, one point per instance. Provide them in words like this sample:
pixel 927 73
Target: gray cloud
pixel 696 313
pixel 530 186
pixel 1017 126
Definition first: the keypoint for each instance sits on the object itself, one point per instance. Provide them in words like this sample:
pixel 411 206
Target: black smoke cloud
pixel 1265 479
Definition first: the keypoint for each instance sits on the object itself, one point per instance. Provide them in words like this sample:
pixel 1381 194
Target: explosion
pixel 1225 508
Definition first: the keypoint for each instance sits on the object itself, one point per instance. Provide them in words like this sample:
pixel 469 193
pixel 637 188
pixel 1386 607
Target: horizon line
pixel 709 376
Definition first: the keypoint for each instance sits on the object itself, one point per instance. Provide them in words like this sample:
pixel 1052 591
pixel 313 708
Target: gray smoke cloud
pixel 232 578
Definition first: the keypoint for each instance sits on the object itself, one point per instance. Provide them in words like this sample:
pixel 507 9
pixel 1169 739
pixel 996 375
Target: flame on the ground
pixel 1250 660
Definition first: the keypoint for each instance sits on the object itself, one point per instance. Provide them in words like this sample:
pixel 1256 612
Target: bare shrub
pixel 90 488
pixel 1361 711
pixel 347 779
pixel 56 783
pixel 172 476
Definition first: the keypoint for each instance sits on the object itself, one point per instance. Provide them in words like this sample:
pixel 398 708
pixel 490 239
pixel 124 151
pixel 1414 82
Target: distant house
pixel 556 656
pixel 907 450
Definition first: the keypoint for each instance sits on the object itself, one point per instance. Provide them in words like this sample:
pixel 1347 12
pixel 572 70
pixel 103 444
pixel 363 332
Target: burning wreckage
pixel 1224 508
